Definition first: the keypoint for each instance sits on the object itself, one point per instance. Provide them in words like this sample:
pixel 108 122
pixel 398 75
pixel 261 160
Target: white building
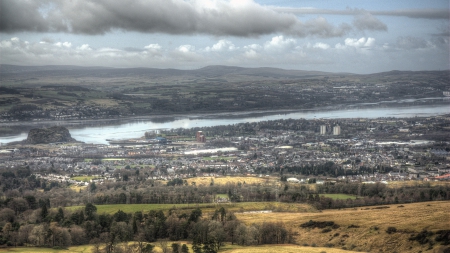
pixel 293 180
pixel 336 130
pixel 323 129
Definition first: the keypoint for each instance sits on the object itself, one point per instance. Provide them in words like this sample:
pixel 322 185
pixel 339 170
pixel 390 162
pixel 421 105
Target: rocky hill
pixel 49 135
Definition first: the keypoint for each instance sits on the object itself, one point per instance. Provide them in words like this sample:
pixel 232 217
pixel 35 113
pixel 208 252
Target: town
pixel 349 150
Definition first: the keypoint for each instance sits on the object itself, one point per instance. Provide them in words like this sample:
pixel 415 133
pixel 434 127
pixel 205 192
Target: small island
pixel 49 135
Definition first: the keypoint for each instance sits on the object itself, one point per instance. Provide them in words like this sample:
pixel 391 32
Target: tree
pixel 92 187
pixel 175 248
pixel 37 235
pixel 7 229
pixel 59 217
pixel 195 215
pixel 24 233
pixel 90 210
pixel 78 235
pixel 196 246
pixel 97 243
pixel 216 236
pixel 164 245
pixel 184 249
pixel 44 212
pixel 230 229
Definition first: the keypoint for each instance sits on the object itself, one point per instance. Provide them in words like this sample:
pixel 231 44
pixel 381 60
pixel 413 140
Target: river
pixel 92 132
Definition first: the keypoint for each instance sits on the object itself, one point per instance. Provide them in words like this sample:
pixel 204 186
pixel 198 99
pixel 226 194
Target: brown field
pixel 105 102
pixel 393 184
pixel 235 180
pixel 227 248
pixel 77 188
pixel 284 248
pixel 371 234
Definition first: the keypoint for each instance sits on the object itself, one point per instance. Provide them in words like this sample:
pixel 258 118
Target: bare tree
pixel 164 245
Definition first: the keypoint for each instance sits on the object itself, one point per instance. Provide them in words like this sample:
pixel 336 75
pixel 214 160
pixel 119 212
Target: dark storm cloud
pixel 14 17
pixel 236 18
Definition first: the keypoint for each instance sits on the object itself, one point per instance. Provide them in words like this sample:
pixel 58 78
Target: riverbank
pixel 97 131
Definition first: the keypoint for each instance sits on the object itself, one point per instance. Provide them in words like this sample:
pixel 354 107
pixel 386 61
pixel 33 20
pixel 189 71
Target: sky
pixel 356 36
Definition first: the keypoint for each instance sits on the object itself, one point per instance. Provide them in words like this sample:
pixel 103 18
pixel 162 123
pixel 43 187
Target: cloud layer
pixel 409 13
pixel 349 55
pixel 243 18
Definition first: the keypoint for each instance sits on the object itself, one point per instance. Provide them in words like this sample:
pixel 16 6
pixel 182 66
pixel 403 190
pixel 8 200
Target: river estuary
pixel 99 131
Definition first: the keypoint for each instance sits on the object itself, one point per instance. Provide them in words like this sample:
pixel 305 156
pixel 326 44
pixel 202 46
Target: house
pixel 293 180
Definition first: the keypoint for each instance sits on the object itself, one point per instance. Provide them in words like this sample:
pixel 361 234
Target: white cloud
pixel 251 54
pixel 321 45
pixel 186 48
pixel 84 47
pixel 222 45
pixel 153 47
pixel 254 47
pixel 277 51
pixel 361 43
pixel 280 43
pixel 63 44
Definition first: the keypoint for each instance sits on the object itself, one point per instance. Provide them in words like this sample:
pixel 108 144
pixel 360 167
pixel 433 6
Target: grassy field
pixel 206 208
pixel 235 180
pixel 73 249
pixel 78 188
pixel 284 248
pixel 225 196
pixel 228 248
pixel 338 196
pixel 364 229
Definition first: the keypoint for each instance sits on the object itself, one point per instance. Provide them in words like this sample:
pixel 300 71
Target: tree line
pixel 60 228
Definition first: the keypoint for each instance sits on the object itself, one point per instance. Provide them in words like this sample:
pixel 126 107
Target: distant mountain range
pixel 215 71
pixel 207 72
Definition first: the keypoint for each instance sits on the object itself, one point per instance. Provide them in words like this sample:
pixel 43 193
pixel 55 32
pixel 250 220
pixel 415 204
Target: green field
pixel 224 196
pixel 206 208
pixel 338 196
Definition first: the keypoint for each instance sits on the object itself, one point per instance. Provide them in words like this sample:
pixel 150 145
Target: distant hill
pixel 219 72
pixel 215 71
pixel 6 68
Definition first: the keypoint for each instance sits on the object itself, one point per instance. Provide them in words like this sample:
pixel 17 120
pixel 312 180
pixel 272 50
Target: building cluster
pixel 377 151
pixel 324 130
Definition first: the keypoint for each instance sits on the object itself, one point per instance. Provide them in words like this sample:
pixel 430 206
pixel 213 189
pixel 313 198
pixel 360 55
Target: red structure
pixel 200 137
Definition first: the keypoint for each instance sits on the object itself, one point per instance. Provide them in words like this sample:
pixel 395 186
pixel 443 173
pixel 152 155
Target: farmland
pixel 338 196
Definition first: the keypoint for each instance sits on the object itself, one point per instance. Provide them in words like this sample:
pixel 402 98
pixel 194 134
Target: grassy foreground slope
pixel 364 229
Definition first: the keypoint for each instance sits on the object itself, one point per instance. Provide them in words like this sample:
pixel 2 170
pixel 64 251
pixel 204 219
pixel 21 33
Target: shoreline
pixel 238 114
